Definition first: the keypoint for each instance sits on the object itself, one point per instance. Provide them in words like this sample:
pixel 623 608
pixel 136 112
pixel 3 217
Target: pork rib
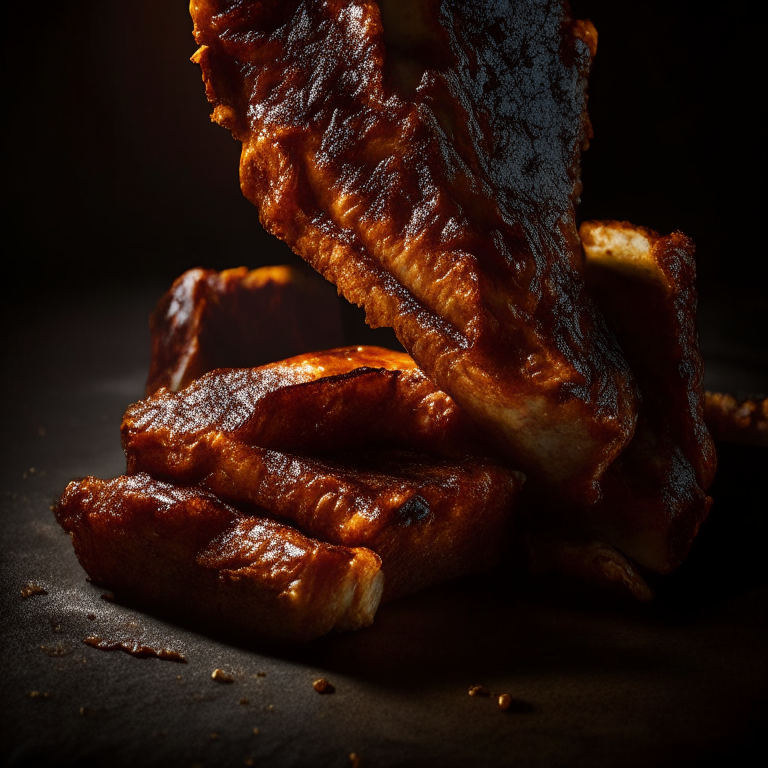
pixel 424 157
pixel 183 550
pixel 349 453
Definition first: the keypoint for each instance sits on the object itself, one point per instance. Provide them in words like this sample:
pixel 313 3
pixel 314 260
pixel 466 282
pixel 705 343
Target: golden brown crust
pixel 238 318
pixel 184 551
pixel 350 454
pixel 407 161
pixel 736 421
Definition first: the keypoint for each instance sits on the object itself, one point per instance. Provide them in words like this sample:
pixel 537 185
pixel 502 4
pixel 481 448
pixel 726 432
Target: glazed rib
pixel 184 551
pixel 349 453
pixel 427 162
pixel 237 318
pixel 655 497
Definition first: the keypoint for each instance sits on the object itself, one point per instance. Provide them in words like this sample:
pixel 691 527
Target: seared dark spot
pixel 414 510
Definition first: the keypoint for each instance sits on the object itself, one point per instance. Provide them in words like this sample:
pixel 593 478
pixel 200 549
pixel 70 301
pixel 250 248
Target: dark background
pixel 117 176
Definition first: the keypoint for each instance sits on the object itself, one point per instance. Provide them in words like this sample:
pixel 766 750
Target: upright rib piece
pixel 655 497
pixel 424 157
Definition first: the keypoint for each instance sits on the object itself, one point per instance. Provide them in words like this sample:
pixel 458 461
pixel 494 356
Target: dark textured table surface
pixel 594 681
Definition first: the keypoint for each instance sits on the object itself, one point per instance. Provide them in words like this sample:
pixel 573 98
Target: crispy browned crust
pixel 736 421
pixel 655 495
pixel 351 454
pixel 238 318
pixel 183 551
pixel 429 169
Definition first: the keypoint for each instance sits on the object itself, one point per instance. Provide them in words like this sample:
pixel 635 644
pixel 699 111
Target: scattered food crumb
pixel 323 686
pixel 478 690
pixel 244 701
pixel 213 736
pixel 88 712
pixel 220 676
pixel 39 695
pixel 91 617
pixel 54 650
pixel 269 708
pixel 261 674
pixel 134 648
pixel 505 701
pixel 354 760
pixel 32 589
pixel 248 761
pixel 256 731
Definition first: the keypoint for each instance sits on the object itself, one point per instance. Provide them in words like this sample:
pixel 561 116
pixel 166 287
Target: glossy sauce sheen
pixel 425 158
pixel 181 550
pixel 349 453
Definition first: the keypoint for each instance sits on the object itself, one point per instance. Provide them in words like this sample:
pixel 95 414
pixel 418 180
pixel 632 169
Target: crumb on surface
pixel 244 701
pixel 30 589
pixel 478 690
pixel 354 760
pixel 54 650
pixel 321 685
pixel 256 731
pixel 220 676
pixel 39 695
pixel 505 701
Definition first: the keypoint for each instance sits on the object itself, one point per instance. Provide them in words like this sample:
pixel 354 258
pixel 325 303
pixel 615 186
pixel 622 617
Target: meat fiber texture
pixel 186 553
pixel 354 447
pixel 425 158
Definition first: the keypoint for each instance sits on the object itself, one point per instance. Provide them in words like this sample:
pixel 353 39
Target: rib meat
pixel 655 495
pixel 355 447
pixel 424 157
pixel 238 318
pixel 182 550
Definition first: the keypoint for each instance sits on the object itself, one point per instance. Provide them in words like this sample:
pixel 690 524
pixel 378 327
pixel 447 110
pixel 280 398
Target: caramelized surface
pixel 238 318
pixel 351 454
pixel 184 551
pixel 655 495
pixel 425 158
